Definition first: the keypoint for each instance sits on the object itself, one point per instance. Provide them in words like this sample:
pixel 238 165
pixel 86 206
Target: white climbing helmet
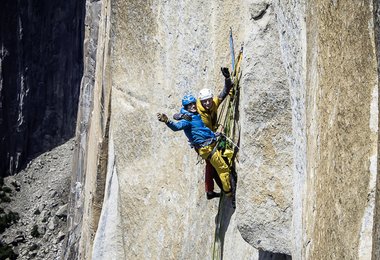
pixel 205 94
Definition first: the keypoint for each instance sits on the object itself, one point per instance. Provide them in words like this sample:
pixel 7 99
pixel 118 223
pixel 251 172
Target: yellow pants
pixel 219 164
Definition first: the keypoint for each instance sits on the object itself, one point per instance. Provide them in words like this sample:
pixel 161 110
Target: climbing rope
pixel 228 121
pixel 227 118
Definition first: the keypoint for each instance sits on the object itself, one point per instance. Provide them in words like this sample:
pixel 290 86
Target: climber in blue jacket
pixel 201 138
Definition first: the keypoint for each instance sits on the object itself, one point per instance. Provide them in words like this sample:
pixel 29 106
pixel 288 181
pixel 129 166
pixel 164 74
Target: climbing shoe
pixel 210 195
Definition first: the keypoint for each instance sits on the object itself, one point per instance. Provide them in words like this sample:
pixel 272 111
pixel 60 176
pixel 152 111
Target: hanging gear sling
pixel 228 144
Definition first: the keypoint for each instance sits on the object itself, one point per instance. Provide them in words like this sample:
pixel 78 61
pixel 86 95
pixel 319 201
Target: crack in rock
pixel 260 14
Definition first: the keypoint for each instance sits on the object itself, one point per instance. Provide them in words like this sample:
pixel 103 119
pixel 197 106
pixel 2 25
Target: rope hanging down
pixel 229 113
pixel 228 122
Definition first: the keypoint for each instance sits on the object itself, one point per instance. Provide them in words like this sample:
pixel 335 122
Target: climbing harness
pixel 231 142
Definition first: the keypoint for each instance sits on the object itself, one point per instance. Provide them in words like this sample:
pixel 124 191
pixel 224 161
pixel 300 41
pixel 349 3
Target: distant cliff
pixel 41 66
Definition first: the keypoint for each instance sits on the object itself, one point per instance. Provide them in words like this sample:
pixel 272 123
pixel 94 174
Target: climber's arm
pixel 177 126
pixel 227 84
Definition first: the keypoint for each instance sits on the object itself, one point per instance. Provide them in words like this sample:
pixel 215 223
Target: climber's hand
pixel 225 72
pixel 162 117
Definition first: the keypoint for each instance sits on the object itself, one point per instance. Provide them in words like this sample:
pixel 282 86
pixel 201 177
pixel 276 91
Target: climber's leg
pixel 223 170
pixel 219 164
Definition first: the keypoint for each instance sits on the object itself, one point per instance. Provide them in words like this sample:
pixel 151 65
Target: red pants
pixel 210 176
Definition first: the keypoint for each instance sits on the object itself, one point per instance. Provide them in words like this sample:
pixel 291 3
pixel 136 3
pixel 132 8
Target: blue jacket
pixel 195 130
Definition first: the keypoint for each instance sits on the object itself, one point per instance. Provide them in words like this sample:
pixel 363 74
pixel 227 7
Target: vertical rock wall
pixel 92 134
pixel 41 67
pixel 161 51
pixel 308 118
pixel 154 188
pixel 292 30
pixel 342 130
pixel 264 195
pixel 376 233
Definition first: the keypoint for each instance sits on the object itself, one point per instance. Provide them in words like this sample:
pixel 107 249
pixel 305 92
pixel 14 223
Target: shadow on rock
pixel 222 221
pixel 266 255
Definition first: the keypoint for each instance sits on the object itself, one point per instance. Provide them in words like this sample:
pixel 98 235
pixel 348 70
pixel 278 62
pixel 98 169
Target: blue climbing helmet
pixel 188 99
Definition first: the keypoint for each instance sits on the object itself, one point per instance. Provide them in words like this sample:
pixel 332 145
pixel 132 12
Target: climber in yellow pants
pixel 207 107
pixel 215 157
pixel 201 138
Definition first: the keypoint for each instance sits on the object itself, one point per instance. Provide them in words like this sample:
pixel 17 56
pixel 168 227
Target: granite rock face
pixel 41 68
pixel 299 132
pixel 141 58
pixel 266 155
pixel 376 218
pixel 342 130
